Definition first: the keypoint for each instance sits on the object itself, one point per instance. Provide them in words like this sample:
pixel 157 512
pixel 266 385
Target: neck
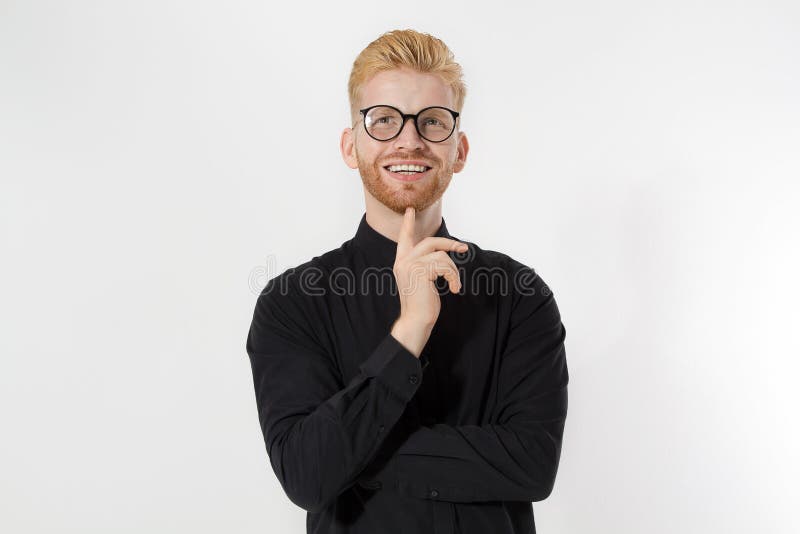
pixel 387 222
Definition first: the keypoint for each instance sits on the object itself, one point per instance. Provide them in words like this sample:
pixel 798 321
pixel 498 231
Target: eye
pixel 382 121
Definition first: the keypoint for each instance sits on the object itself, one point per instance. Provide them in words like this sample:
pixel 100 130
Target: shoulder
pixel 308 278
pixel 286 305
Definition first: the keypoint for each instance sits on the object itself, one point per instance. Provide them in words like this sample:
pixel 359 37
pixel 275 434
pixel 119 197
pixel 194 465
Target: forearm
pixel 515 461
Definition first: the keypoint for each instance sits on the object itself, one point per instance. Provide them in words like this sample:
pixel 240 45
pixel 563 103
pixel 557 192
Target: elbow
pixel 540 482
pixel 308 494
pixel 543 468
pixel 309 501
pixel 303 484
pixel 545 487
pixel 304 489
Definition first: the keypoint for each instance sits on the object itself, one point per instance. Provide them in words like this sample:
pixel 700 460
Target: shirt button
pixel 434 493
pixel 380 428
pixel 413 379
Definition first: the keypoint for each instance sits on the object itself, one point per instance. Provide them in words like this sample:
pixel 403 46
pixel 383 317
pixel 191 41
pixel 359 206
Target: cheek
pixel 365 152
pixel 449 155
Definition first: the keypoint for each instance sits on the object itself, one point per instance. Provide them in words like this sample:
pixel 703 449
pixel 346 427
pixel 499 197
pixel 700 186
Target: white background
pixel 161 160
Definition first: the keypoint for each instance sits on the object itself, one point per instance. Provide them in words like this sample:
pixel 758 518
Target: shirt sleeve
pixel 320 433
pixel 516 457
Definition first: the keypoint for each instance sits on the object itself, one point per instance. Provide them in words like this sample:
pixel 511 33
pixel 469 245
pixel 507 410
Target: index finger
pixel 432 244
pixel 405 240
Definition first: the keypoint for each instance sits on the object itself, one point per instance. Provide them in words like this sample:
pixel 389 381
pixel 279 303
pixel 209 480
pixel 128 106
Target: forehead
pixel 407 90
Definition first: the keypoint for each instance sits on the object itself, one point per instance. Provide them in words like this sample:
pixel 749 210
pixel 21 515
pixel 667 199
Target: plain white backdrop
pixel 160 161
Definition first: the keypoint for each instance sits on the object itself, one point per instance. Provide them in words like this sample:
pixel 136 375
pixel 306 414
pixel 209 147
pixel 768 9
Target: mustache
pixel 428 158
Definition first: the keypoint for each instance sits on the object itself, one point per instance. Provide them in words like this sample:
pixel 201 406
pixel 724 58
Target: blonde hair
pixel 406 48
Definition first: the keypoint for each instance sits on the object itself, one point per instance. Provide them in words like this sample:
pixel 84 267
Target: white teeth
pixel 413 168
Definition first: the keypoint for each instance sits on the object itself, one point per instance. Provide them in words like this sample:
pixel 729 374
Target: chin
pixel 398 195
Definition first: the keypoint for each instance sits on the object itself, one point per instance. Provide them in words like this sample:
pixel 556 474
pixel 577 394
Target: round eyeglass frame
pixel 407 116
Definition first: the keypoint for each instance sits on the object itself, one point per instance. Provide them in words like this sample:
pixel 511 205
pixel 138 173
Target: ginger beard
pixel 397 195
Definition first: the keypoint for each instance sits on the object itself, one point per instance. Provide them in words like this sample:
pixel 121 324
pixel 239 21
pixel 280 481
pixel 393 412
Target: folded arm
pixel 516 457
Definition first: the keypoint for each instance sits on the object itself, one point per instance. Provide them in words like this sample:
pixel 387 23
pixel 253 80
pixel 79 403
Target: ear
pixel 347 145
pixel 461 154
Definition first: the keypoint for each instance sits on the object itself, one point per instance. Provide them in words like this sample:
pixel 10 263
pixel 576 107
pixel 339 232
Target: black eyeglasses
pixel 434 124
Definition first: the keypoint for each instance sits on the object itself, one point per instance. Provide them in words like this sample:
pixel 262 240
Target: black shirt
pixel 370 439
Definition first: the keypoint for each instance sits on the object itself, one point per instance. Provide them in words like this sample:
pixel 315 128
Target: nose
pixel 408 138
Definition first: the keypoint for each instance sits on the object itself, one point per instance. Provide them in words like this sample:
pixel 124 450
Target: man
pixel 409 381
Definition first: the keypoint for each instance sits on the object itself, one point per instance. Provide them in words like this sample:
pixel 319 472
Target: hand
pixel 416 267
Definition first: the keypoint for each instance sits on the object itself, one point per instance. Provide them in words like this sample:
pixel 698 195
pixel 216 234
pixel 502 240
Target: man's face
pixel 409 91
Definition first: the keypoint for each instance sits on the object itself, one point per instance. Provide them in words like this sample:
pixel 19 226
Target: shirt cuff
pixel 396 367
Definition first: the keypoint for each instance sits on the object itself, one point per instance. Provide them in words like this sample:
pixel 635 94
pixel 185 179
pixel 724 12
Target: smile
pixel 407 172
pixel 406 169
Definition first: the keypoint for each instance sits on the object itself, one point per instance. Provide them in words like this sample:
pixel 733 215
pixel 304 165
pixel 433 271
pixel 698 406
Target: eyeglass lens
pixel 434 124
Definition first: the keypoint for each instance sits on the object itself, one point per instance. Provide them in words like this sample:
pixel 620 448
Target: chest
pixel 460 384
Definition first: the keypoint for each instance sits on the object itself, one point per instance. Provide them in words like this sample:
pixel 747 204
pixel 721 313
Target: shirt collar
pixel 380 248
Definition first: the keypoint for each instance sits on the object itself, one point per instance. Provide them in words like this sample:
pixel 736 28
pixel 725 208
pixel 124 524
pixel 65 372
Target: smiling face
pixel 427 167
